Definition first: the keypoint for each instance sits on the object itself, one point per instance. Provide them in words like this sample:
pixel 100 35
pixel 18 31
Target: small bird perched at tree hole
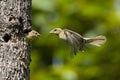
pixel 32 35
pixel 75 40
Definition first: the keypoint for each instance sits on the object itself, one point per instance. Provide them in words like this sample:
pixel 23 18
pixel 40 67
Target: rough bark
pixel 15 22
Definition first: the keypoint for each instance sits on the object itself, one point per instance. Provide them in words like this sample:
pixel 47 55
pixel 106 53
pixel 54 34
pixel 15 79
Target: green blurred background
pixel 51 57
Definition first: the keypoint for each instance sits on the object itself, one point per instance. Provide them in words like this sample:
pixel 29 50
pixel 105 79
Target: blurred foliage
pixel 51 57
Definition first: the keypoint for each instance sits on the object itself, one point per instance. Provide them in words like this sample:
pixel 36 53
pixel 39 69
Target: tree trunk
pixel 15 23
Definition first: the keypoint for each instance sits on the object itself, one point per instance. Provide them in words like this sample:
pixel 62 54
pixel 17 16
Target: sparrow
pixel 32 35
pixel 75 40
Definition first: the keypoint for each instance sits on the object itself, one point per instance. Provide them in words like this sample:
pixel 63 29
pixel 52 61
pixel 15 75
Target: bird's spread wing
pixel 73 50
pixel 74 39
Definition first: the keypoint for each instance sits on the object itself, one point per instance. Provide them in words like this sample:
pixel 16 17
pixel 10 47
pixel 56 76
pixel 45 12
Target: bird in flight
pixel 75 40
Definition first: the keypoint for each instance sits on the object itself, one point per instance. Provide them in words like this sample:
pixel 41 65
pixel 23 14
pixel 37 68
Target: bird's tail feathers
pixel 97 41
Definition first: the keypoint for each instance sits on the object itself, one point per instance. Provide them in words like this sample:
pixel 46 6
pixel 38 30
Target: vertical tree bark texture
pixel 15 22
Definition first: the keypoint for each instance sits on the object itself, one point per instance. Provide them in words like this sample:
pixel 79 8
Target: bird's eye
pixel 55 29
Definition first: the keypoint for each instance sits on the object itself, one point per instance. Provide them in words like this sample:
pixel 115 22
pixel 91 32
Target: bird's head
pixel 56 31
pixel 33 34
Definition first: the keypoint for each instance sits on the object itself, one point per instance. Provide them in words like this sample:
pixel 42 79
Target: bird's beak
pixel 51 32
pixel 38 35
